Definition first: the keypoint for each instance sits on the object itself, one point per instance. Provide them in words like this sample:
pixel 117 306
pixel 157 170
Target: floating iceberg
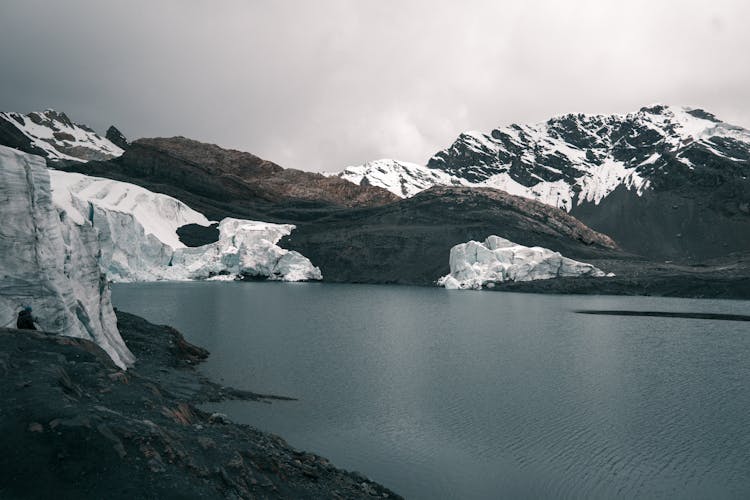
pixel 475 265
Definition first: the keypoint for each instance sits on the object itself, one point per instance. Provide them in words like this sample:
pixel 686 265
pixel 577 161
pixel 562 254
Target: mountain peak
pixel 56 137
pixel 116 137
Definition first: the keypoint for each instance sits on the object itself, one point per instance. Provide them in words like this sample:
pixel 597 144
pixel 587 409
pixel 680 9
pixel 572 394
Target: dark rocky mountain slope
pixel 116 137
pixel 665 182
pixel 223 182
pixel 409 242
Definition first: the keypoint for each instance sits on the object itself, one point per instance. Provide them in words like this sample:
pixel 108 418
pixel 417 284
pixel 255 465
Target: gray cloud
pixel 325 84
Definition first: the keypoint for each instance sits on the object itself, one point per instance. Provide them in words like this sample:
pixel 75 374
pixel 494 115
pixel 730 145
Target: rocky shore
pixel 73 425
pixel 726 278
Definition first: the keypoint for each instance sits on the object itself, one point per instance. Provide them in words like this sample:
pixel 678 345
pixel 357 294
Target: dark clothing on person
pixel 25 321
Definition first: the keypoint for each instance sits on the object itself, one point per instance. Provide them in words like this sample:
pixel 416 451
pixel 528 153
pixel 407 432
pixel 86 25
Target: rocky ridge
pixel 205 175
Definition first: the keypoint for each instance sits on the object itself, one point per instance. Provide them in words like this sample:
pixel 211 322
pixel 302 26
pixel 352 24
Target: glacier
pixel 51 261
pixel 475 265
pixel 137 228
pixel 138 235
pixel 245 249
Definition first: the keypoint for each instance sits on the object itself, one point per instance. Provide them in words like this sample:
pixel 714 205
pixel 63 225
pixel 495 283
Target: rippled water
pixel 441 394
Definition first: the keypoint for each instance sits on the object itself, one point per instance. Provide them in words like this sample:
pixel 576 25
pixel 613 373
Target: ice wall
pixel 51 261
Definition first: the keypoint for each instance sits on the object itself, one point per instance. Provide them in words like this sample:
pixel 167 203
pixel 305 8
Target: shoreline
pixel 74 425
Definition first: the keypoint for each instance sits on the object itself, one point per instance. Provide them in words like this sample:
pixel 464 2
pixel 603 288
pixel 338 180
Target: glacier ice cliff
pixel 137 228
pixel 139 241
pixel 51 261
pixel 474 265
pixel 246 249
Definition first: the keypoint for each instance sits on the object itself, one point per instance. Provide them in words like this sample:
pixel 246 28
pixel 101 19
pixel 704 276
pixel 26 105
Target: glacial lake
pixel 445 394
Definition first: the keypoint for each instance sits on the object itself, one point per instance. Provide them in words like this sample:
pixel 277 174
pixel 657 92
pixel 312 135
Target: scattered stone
pixel 35 427
pixel 156 466
pixel 219 418
pixel 206 442
pixel 236 461
pixel 119 377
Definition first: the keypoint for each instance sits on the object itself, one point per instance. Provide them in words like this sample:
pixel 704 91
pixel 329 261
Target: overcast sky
pixel 323 84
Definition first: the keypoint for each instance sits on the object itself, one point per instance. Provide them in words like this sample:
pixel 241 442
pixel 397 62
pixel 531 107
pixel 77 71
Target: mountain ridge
pixel 54 136
pixel 679 160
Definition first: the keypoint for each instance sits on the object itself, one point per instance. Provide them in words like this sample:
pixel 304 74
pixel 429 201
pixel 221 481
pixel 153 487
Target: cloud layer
pixel 325 84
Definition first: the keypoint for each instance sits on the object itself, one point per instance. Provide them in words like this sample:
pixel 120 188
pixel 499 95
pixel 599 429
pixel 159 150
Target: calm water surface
pixel 440 394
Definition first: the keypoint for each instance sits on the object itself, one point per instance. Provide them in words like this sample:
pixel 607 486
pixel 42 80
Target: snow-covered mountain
pixel 401 178
pixel 54 136
pixel 139 242
pixel 475 265
pixel 50 261
pixel 577 158
pixel 664 182
pixel 574 159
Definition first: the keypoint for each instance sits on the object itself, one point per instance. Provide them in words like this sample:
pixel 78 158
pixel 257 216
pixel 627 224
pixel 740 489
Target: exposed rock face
pixel 475 265
pixel 54 136
pixel 116 137
pixel 682 225
pixel 50 261
pixel 407 242
pixel 205 175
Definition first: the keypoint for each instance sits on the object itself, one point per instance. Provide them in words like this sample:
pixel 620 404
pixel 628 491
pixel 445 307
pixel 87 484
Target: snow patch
pixel 401 178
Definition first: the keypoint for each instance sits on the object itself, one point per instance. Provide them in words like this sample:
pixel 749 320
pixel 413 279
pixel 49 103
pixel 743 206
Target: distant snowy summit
pixel 401 178
pixel 572 159
pixel 55 137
